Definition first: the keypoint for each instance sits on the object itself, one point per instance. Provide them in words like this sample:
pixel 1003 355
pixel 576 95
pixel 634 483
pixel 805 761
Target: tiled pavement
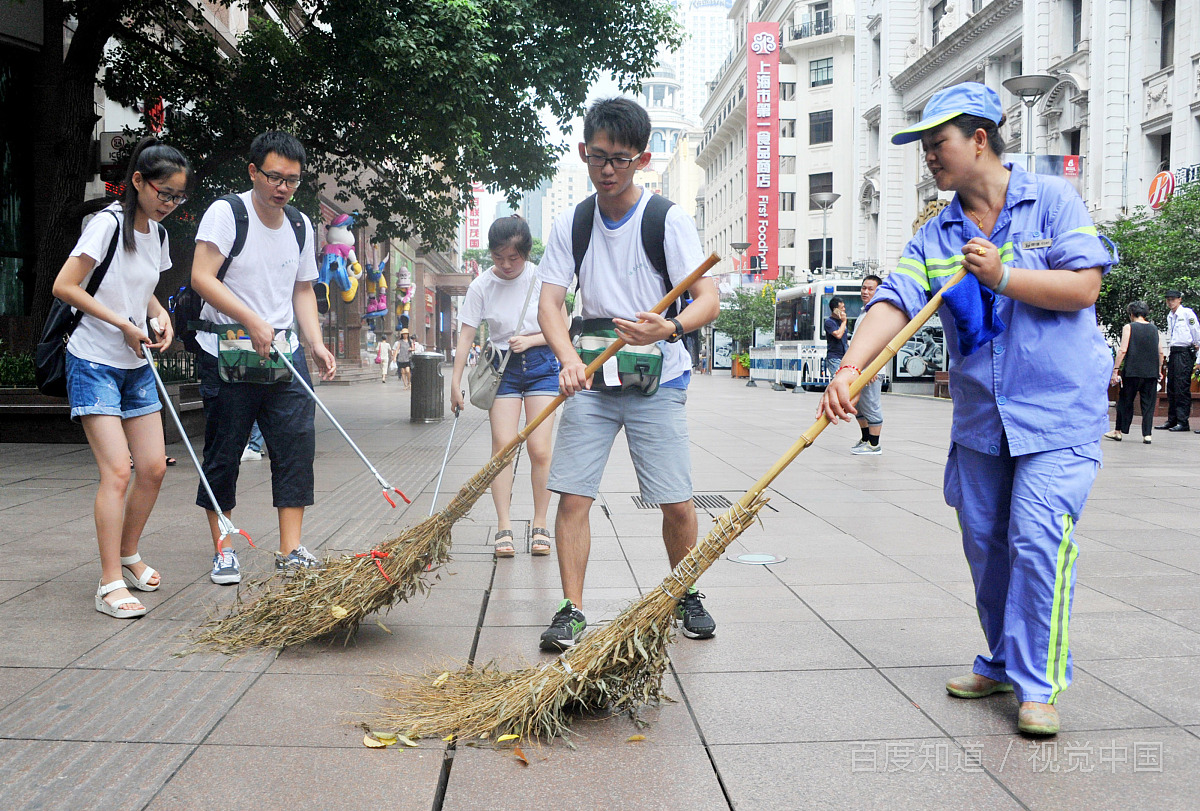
pixel 823 687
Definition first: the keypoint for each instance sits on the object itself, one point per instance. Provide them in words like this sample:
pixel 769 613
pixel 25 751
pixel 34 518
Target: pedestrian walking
pixel 384 357
pixel 1137 370
pixel 1183 339
pixel 1029 405
pixel 836 338
pixel 503 295
pixel 262 290
pixel 870 400
pixel 403 351
pixel 628 247
pixel 109 383
pixel 255 445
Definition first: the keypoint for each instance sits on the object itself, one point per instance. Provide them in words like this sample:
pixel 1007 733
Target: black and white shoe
pixel 300 558
pixel 697 623
pixel 565 629
pixel 225 570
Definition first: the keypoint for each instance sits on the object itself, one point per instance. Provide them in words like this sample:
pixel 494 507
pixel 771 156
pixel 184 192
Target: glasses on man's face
pixel 167 197
pixel 280 180
pixel 618 162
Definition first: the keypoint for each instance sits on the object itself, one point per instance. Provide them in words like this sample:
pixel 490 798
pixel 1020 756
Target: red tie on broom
pixel 315 602
pixel 618 666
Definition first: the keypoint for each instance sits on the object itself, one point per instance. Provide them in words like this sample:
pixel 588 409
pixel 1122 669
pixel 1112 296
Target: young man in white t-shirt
pixel 267 288
pixel 618 282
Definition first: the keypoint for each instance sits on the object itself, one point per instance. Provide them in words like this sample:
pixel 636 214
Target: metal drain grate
pixel 704 501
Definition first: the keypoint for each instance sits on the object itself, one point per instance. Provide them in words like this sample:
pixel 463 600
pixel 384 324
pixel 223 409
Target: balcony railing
pixel 823 25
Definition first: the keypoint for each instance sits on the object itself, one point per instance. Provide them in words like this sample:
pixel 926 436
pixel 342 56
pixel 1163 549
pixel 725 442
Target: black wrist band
pixel 675 336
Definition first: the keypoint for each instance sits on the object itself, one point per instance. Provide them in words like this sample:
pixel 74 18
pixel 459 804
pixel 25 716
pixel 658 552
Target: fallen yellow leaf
pixel 405 741
pixel 339 613
pixel 387 737
pixel 371 742
pixel 440 680
pixel 448 738
pixel 504 738
pixel 635 738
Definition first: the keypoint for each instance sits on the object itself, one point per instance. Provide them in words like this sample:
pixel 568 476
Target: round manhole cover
pixel 757 560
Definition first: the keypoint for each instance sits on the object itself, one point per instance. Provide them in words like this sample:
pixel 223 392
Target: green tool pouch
pixel 237 362
pixel 633 368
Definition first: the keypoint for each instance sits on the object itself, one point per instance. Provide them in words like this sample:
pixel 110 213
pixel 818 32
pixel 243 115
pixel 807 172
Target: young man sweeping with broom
pixel 628 248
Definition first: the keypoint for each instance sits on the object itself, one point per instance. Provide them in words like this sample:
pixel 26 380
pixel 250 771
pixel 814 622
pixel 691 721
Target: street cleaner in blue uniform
pixel 1028 376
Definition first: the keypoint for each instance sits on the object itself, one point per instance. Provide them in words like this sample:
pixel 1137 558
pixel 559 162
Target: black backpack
pixel 189 303
pixel 654 232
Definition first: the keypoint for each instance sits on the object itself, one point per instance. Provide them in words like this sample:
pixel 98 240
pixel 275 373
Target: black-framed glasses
pixel 167 197
pixel 618 162
pixel 280 180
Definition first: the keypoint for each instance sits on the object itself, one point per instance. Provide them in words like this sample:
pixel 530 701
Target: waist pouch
pixel 633 368
pixel 237 362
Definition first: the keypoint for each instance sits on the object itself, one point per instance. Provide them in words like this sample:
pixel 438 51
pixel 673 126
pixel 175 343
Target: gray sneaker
pixel 867 449
pixel 225 570
pixel 859 444
pixel 300 558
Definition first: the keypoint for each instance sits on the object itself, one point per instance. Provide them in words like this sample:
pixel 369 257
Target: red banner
pixel 762 146
pixel 474 226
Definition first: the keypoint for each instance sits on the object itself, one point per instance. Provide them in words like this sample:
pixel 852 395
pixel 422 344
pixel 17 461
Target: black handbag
pixel 50 357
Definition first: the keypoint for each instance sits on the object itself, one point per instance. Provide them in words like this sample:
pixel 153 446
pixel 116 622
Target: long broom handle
pixel 872 369
pixel 675 292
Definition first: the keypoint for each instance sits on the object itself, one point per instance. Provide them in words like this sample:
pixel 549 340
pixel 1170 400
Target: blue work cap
pixel 968 98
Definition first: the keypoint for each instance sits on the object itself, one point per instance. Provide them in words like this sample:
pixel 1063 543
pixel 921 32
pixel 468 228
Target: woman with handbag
pixel 516 368
pixel 110 386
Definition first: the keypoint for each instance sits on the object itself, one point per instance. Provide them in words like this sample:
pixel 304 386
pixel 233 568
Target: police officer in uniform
pixel 1183 339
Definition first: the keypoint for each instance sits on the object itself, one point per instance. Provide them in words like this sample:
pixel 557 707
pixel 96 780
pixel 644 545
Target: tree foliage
pixel 747 311
pixel 1160 251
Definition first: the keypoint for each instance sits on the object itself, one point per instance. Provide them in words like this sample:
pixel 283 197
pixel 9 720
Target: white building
pixel 709 38
pixel 1127 97
pixel 570 185
pixel 816 111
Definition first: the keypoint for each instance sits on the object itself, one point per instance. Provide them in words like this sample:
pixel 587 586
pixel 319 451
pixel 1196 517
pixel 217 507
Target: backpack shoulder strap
pixel 102 268
pixel 296 219
pixel 581 230
pixel 162 234
pixel 241 226
pixel 654 234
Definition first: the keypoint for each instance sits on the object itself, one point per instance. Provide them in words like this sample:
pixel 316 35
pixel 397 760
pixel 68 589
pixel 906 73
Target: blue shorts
pixel 94 388
pixel 534 371
pixel 657 433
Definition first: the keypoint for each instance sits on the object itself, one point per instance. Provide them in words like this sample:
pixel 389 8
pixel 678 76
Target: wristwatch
pixel 678 333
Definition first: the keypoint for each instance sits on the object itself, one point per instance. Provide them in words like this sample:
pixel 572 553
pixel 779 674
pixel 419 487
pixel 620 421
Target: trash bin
pixel 428 399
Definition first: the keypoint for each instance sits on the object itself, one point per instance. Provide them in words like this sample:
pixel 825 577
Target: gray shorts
pixel 655 428
pixel 870 402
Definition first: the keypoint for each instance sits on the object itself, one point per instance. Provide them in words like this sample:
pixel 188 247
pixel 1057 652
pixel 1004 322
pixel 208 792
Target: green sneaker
pixel 697 623
pixel 564 629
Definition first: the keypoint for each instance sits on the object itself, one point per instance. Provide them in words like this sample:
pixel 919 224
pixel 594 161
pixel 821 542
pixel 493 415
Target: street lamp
pixel 1030 87
pixel 824 200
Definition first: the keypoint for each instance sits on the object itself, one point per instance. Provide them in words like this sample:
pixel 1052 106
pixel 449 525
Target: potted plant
pixel 741 364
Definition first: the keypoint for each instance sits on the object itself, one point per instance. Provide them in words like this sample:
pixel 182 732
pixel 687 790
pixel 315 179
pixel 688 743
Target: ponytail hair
pixel 154 160
pixel 512 229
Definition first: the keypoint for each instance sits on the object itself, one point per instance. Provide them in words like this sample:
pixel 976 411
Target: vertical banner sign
pixel 473 238
pixel 762 146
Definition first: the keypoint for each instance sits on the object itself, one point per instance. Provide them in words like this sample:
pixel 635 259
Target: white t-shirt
pixel 126 288
pixel 264 275
pixel 616 278
pixel 499 301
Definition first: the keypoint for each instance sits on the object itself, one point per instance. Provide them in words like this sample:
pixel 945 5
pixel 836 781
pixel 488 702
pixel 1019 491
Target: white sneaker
pixel 1146 439
pixel 867 449
pixel 251 455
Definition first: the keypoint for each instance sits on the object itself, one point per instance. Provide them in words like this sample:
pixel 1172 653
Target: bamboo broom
pixel 619 666
pixel 312 603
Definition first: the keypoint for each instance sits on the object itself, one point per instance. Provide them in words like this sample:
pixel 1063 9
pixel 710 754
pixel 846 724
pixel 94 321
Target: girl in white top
pixel 110 386
pixel 531 377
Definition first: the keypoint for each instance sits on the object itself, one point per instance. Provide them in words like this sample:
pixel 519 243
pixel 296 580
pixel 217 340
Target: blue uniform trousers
pixel 1018 517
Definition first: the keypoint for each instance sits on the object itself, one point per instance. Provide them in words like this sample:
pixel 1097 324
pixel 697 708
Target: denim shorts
pixel 534 371
pixel 655 429
pixel 94 388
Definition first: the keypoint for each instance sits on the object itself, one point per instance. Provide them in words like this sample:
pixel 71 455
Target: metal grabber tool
pixel 223 522
pixel 445 458
pixel 387 488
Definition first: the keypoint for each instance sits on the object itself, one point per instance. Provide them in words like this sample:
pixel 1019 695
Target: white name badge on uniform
pixel 612 376
pixel 1034 244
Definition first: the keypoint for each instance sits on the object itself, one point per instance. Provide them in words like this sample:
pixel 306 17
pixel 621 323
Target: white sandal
pixel 114 609
pixel 139 583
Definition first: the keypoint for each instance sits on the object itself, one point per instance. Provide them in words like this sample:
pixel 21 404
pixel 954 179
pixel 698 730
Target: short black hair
pixel 871 277
pixel 511 229
pixel 283 144
pixel 1139 309
pixel 967 124
pixel 834 303
pixel 624 120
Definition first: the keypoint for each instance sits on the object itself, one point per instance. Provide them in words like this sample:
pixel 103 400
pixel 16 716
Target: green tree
pixel 484 257
pixel 1159 251
pixel 747 311
pixel 405 103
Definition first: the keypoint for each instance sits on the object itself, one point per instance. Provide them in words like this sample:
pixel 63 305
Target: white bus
pixel 798 354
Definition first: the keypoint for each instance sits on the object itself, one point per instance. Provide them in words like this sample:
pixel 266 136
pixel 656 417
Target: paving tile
pixel 843 568
pixel 84 775
pixel 17 681
pixel 786 646
pixel 1096 770
pixel 537 606
pixel 1168 685
pixel 1187 617
pixel 373 651
pixel 755 604
pixel 778 707
pixel 658 777
pixel 106 705
pixel 272 777
pixel 882 601
pixel 152 644
pixel 858 775
pixel 1153 593
pixel 1129 635
pixel 914 642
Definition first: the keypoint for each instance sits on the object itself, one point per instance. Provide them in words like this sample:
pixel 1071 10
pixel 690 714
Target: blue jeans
pixel 95 388
pixel 534 371
pixel 255 442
